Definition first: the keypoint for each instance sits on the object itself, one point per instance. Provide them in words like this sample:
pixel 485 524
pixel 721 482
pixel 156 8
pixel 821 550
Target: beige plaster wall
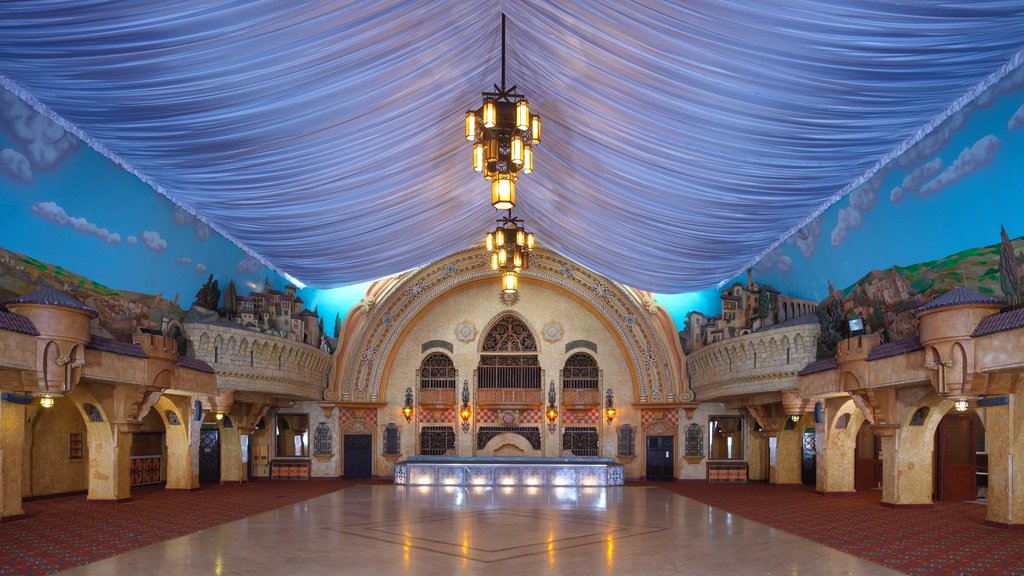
pixel 480 303
pixel 698 471
pixel 50 470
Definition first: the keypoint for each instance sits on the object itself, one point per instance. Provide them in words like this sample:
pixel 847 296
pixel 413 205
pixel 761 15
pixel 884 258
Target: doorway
pixel 209 455
pixel 809 459
pixel 955 468
pixel 867 464
pixel 659 458
pixel 358 460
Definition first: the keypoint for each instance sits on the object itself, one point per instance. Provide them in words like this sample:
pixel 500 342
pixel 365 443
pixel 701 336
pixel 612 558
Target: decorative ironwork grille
pixel 172 418
pixel 323 440
pixel 437 344
pixel 437 371
pixel 580 371
pixel 580 440
pixel 509 334
pixel 226 422
pixel 75 446
pixel 790 424
pixel 392 437
pixel 581 344
pixel 918 418
pixel 809 446
pixel 627 440
pixel 694 446
pixel 436 440
pixel 486 433
pixel 94 413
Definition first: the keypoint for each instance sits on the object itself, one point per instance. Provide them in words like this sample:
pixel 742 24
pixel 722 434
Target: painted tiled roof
pixel 116 347
pixel 194 364
pixel 12 322
pixel 957 297
pixel 895 348
pixel 819 366
pixel 53 297
pixel 1000 323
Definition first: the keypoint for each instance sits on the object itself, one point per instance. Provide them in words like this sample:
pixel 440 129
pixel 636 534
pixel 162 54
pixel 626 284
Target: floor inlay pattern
pixel 514 531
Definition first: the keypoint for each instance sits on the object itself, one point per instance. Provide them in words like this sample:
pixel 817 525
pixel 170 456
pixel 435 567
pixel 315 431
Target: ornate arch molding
pixel 389 316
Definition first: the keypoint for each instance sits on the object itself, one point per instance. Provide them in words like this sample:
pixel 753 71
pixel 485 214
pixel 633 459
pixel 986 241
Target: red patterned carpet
pixel 61 533
pixel 949 539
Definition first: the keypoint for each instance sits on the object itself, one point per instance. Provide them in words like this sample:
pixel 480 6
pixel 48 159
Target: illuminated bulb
pixel 491 151
pixel 535 129
pixel 509 282
pixel 490 113
pixel 520 237
pixel 494 261
pixel 219 415
pixel 470 126
pixel 503 192
pixel 517 150
pixel 478 157
pixel 490 242
pixel 46 401
pixel 502 257
pixel 523 115
pixel 529 241
pixel 527 160
pixel 499 237
pixel 517 260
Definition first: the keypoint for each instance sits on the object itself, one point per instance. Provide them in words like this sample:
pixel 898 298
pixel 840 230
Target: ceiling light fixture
pixel 503 133
pixel 510 246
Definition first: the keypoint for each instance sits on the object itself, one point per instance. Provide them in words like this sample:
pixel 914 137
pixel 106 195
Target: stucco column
pixel 784 469
pixel 907 468
pixel 231 469
pixel 12 437
pixel 757 459
pixel 1004 443
pixel 181 474
pixel 836 448
pixel 110 453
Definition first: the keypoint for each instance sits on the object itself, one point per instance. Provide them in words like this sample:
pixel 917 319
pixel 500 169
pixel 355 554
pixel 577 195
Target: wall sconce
pixel 219 415
pixel 552 411
pixel 46 401
pixel 465 412
pixel 407 410
pixel 795 418
pixel 609 407
pixel 960 405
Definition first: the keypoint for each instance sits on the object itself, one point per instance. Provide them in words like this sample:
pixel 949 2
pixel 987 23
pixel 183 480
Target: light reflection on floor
pixel 504 530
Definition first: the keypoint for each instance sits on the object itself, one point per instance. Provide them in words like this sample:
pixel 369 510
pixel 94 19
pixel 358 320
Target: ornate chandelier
pixel 510 246
pixel 503 133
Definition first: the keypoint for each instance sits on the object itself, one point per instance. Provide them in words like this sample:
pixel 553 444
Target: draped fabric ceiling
pixel 682 141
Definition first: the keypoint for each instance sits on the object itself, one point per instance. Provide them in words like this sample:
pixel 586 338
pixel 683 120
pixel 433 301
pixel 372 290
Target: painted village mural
pixel 945 212
pixel 75 221
pixel 948 212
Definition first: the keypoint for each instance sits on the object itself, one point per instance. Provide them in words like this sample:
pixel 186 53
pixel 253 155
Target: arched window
pixel 509 356
pixel 437 371
pixel 580 371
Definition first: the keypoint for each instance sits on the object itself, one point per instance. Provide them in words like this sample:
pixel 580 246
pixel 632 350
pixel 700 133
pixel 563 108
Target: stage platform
pixel 508 471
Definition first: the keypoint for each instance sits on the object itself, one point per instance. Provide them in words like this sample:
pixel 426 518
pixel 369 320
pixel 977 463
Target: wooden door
pixel 209 456
pixel 659 458
pixel 954 449
pixel 358 458
pixel 867 466
pixel 809 459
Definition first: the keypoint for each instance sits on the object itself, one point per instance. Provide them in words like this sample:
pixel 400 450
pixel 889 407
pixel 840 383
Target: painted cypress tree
pixel 830 316
pixel 209 294
pixel 1009 271
pixel 230 308
pixel 337 325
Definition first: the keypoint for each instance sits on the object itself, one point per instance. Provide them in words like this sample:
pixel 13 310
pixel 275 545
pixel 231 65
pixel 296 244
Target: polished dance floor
pixel 384 529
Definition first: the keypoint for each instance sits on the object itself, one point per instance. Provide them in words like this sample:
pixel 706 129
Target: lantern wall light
pixel 407 410
pixel 465 413
pixel 552 411
pixel 609 407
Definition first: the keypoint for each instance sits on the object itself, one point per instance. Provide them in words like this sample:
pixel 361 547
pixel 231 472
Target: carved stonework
pixel 465 331
pixel 552 331
pixel 623 313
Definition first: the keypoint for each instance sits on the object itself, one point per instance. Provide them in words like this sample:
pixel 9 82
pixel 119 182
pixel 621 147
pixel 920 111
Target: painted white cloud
pixel 153 241
pixel 15 165
pixel 895 195
pixel 936 140
pixel 202 230
pixel 862 199
pixel 249 265
pixel 182 217
pixel 774 259
pixel 201 268
pixel 42 141
pixel 922 173
pixel 131 240
pixel 1017 120
pixel 807 237
pixel 970 160
pixel 54 213
pixel 183 260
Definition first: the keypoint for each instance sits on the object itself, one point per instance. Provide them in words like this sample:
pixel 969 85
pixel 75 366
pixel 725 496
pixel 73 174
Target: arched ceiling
pixel 682 141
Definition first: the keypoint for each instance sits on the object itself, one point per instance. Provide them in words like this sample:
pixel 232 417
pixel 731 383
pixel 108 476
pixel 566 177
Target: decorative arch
pixel 499 445
pixel 508 332
pixel 580 371
pixel 365 361
pixel 437 370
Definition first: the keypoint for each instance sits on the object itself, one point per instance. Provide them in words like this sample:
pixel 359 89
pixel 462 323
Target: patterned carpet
pixel 60 533
pixel 949 539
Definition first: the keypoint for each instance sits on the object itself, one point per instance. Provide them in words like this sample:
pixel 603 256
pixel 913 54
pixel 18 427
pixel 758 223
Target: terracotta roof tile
pixel 116 347
pixel 957 297
pixel 12 322
pixel 53 297
pixel 1011 320
pixel 895 348
pixel 194 364
pixel 819 366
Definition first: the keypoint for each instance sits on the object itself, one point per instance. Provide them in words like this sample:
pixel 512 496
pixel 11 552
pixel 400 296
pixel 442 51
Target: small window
pixel 75 446
pixel 392 440
pixel 627 440
pixel 323 440
pixel 694 447
pixel 919 416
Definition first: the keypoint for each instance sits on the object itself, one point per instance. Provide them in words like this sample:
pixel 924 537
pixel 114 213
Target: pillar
pixel 907 462
pixel 836 447
pixel 784 461
pixel 230 454
pixel 757 457
pixel 181 474
pixel 1004 443
pixel 12 439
